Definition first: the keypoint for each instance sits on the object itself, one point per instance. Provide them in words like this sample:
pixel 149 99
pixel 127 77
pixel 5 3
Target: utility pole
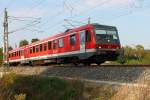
pixel 5 40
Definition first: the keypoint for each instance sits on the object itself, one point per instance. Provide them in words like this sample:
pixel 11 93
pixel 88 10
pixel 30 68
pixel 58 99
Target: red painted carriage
pixel 91 43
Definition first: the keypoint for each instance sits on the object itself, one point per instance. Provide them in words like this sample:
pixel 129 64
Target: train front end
pixel 107 43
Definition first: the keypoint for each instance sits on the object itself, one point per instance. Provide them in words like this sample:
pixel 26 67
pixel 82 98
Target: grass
pixel 39 88
pixel 18 87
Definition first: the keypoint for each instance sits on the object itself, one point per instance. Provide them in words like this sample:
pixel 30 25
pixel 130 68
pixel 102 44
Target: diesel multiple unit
pixel 91 43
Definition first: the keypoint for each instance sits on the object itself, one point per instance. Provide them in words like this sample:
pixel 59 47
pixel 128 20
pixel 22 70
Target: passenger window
pixel 19 53
pixel 88 36
pixel 45 46
pixel 34 49
pixel 16 53
pixel 37 48
pixel 49 45
pixel 73 39
pixel 61 44
pixel 40 47
pixel 54 44
pixel 30 50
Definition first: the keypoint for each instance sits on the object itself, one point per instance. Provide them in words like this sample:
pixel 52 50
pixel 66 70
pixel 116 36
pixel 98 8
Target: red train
pixel 91 43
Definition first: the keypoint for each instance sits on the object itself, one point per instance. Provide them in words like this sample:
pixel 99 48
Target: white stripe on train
pixel 52 55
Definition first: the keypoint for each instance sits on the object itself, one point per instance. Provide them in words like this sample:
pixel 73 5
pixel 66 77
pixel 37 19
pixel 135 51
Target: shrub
pixel 39 88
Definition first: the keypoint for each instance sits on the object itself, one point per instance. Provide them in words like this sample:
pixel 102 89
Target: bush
pixel 134 55
pixel 39 88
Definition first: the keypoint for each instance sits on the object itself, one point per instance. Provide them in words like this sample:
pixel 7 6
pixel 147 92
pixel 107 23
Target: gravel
pixel 117 74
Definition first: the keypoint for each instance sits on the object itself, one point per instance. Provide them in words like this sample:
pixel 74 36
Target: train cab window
pixel 45 46
pixel 73 39
pixel 37 48
pixel 61 43
pixel 40 47
pixel 49 45
pixel 54 44
pixel 88 36
pixel 30 50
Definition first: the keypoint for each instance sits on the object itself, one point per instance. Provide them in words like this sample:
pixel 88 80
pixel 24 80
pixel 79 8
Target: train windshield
pixel 106 34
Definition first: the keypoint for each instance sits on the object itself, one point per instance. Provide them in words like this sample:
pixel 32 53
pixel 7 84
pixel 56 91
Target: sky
pixel 43 18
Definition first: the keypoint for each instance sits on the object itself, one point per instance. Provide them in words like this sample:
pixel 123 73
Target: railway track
pixel 103 65
pixel 115 73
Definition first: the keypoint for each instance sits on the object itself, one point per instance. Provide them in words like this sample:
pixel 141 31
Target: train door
pixel 82 41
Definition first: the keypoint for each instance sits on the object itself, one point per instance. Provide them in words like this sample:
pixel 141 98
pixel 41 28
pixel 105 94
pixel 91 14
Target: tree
pixel 34 40
pixel 140 52
pixel 10 48
pixel 128 52
pixel 23 43
pixel 121 57
pixel 1 50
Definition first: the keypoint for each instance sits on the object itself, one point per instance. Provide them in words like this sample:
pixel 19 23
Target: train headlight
pixel 100 47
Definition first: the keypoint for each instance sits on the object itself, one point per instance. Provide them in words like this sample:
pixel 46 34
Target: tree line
pixel 24 43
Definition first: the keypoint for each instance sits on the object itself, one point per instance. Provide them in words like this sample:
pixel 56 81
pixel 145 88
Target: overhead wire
pixel 31 19
pixel 25 27
pixel 85 11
